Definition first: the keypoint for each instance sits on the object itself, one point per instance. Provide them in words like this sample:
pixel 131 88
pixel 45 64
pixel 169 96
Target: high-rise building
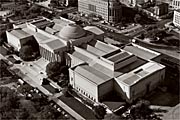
pixel 161 8
pixel 109 10
pixel 175 4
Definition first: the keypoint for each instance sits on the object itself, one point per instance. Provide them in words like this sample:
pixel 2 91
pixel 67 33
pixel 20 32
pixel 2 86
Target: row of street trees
pixel 15 107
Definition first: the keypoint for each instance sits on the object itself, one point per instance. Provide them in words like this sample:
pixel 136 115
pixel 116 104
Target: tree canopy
pixel 141 110
pixel 14 107
pixel 26 52
pixel 99 111
pixel 53 69
pixel 137 18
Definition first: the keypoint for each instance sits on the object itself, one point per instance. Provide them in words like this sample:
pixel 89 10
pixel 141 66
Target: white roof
pixel 53 45
pixel 72 31
pixel 93 50
pixel 141 52
pixel 92 74
pixel 94 30
pixel 103 46
pixel 19 33
pixel 139 73
pixel 38 36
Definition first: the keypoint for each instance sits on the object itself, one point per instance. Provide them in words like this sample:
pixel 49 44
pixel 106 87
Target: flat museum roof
pixel 19 33
pixel 55 44
pixel 92 74
pixel 141 52
pixel 139 73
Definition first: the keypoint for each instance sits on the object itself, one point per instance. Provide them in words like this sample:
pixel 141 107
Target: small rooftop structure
pixel 42 23
pixel 117 56
pixel 50 30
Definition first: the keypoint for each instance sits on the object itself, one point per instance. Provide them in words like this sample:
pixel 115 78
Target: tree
pixel 99 111
pixel 9 102
pixel 66 91
pixel 26 53
pixel 53 69
pixel 48 112
pixel 160 33
pixel 24 88
pixel 141 110
pixel 142 36
pixel 137 18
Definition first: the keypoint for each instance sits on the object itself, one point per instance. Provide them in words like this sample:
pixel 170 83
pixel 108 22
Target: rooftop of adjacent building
pixel 54 45
pixel 117 56
pixel 92 74
pixel 19 33
pixel 141 52
pixel 94 30
pixel 42 22
pixel 46 39
pixel 139 73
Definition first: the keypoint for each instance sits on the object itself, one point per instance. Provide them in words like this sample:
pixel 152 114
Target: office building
pixel 175 4
pixel 109 10
pixel 176 18
pixel 161 8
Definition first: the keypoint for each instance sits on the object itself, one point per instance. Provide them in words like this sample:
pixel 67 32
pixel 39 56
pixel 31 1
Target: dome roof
pixel 72 31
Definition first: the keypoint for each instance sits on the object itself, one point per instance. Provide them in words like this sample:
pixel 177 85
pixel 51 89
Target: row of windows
pixel 177 20
pixel 92 7
pixel 99 2
pixel 177 3
pixel 86 94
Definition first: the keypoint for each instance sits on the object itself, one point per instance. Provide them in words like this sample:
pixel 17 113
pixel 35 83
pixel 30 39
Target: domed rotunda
pixel 72 31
